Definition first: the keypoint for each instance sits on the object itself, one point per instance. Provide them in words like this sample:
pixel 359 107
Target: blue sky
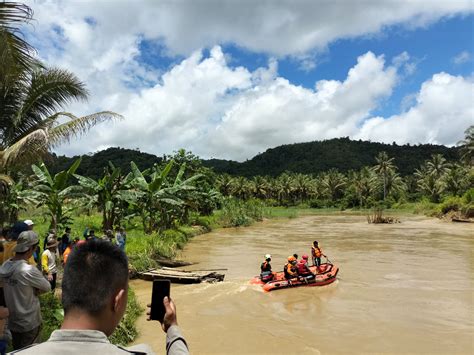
pixel 231 81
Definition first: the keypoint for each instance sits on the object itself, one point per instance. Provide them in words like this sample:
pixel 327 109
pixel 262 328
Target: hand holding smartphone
pixel 161 289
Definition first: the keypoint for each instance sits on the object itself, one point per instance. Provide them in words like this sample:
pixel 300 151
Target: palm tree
pixel 259 187
pixel 383 168
pixel 334 183
pixel 429 184
pixel 241 188
pixel 303 186
pixel 285 189
pixel 457 180
pixel 32 97
pixel 13 47
pixel 467 146
pixel 364 182
pixel 437 166
pixel 224 184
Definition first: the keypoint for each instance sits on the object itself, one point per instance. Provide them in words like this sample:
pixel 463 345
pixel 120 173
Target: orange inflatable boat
pixel 327 274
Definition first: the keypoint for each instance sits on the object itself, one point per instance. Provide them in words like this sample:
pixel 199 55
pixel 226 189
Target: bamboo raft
pixel 182 276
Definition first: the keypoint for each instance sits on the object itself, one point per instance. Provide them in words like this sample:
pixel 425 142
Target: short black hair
pixel 94 271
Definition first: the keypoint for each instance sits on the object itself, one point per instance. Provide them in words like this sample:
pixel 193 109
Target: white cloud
pixel 206 105
pixel 214 110
pixel 462 58
pixel 443 110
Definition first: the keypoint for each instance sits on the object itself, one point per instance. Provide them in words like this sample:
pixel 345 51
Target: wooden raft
pixel 181 276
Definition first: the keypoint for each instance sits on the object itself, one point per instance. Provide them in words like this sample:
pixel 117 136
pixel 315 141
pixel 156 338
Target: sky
pixel 230 79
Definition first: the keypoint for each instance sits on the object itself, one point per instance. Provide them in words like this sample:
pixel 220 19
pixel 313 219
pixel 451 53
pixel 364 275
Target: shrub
pixel 317 203
pixel 468 196
pixel 451 203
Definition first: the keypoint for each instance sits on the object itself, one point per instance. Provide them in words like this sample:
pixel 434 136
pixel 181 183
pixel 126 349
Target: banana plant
pixel 15 198
pixel 157 200
pixel 54 191
pixel 106 194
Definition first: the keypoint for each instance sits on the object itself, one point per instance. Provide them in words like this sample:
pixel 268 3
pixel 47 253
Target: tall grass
pixel 237 213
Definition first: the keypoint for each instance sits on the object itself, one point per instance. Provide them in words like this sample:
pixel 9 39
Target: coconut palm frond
pixel 26 149
pixel 77 125
pixel 12 16
pixel 48 90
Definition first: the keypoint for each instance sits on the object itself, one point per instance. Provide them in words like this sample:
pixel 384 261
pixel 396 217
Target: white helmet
pixel 268 256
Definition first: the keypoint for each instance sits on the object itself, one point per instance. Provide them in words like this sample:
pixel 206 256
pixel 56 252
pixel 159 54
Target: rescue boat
pixel 326 274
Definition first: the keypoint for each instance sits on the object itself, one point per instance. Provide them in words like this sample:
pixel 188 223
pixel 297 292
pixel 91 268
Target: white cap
pixel 268 256
pixel 28 222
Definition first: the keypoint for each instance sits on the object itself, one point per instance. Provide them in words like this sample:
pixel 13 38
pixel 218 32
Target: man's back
pixel 78 342
pixel 20 282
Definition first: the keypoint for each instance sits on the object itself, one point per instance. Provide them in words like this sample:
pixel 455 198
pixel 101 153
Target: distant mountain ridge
pixel 342 154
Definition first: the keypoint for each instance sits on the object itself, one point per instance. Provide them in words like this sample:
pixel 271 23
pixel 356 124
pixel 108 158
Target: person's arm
pixel 37 280
pixel 175 343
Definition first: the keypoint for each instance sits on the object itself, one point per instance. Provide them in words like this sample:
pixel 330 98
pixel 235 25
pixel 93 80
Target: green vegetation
pixel 52 313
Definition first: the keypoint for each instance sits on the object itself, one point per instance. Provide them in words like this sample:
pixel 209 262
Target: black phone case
pixel 161 288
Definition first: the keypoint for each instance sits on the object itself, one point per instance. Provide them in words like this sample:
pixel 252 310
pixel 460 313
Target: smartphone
pixel 161 289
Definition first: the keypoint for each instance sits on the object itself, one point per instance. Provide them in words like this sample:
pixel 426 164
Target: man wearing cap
pixel 22 285
pixel 9 246
pixel 48 262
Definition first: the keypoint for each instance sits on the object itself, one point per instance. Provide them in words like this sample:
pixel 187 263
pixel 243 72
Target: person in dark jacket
pixel 266 273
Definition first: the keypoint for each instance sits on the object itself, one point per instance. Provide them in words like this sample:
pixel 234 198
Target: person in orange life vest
pixel 290 268
pixel 316 252
pixel 266 273
pixel 68 249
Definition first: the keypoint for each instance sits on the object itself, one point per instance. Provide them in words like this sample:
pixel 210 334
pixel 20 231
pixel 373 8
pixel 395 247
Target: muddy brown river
pixel 402 288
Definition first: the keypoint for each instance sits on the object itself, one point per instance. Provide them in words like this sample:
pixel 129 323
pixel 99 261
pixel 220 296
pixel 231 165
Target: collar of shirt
pixel 89 336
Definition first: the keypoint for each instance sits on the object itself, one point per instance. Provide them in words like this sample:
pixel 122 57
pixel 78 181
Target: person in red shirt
pixel 303 269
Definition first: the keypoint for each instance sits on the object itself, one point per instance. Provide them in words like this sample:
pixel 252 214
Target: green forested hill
pixel 308 158
pixel 93 165
pixel 339 153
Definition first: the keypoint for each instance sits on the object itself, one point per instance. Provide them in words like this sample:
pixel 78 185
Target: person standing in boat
pixel 316 252
pixel 266 273
pixel 290 269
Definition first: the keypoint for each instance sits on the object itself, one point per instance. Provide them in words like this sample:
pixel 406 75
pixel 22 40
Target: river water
pixel 402 288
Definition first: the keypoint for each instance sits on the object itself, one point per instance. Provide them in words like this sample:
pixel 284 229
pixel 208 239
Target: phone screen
pixel 161 288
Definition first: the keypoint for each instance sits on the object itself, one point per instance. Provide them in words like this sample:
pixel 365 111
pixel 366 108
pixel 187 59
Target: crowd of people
pixel 94 301
pixel 294 269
